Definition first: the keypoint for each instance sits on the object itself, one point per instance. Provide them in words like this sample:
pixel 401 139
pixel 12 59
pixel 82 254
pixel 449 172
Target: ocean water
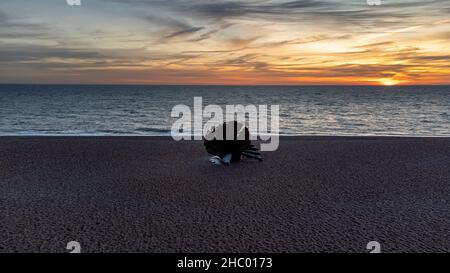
pixel 145 110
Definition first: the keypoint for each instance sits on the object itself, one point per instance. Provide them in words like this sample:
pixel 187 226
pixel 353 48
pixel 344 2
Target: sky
pixel 231 42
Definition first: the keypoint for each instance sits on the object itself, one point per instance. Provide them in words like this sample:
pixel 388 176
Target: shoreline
pixel 152 194
pixel 282 136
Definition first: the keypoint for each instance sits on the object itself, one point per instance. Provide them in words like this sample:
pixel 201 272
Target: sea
pixel 145 110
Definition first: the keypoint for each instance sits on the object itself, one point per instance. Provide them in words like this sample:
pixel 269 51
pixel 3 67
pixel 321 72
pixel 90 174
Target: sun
pixel 388 82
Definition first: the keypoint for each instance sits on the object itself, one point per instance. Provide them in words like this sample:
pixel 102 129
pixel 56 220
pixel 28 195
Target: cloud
pixel 165 21
pixel 184 32
pixel 207 41
pixel 24 53
pixel 3 17
pixel 342 12
pixel 243 8
pixel 12 27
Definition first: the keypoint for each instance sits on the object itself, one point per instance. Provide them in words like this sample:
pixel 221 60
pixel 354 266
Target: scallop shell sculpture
pixel 227 148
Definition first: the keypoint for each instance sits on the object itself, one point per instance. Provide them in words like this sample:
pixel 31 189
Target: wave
pixel 152 130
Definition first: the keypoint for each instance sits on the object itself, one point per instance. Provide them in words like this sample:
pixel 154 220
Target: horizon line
pixel 230 85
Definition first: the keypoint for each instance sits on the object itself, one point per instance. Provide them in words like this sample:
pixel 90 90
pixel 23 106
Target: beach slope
pixel 152 194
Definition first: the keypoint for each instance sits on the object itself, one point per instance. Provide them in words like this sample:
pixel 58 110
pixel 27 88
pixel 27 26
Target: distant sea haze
pixel 145 110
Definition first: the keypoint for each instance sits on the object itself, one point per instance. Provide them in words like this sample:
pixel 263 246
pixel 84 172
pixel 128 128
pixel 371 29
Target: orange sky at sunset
pixel 225 42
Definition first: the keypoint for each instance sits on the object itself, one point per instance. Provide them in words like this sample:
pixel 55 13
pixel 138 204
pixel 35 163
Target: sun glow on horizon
pixel 388 82
pixel 393 81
